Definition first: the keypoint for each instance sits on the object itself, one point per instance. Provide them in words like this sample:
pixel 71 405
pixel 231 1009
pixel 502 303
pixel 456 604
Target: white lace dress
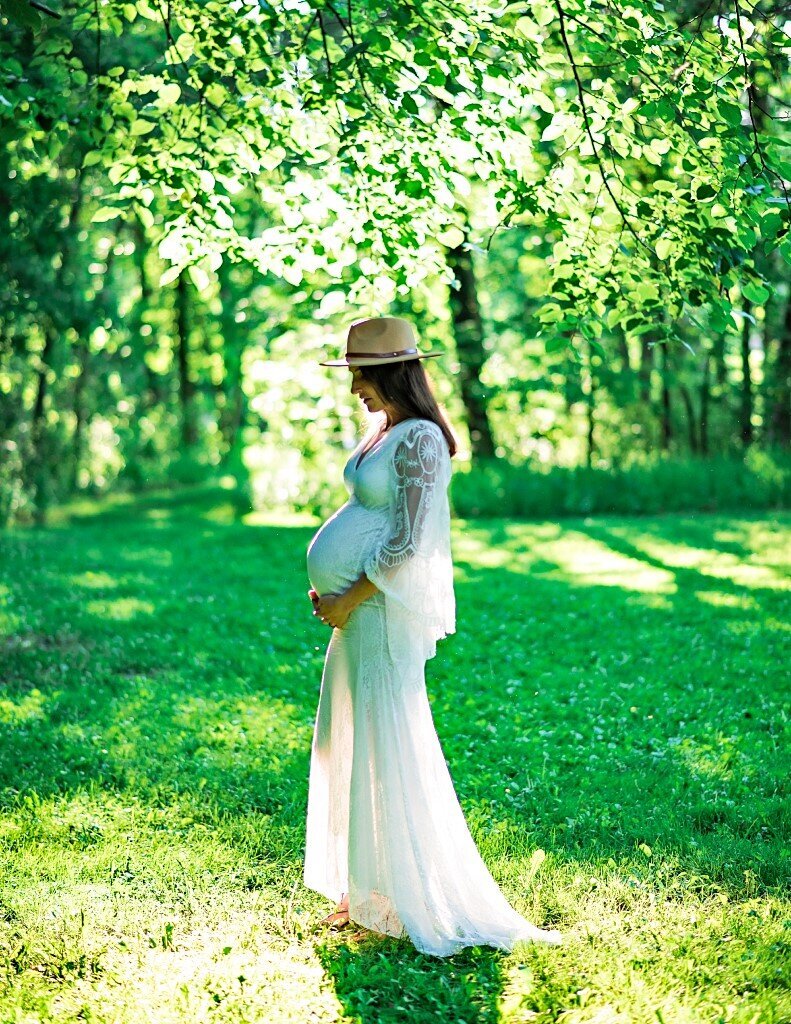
pixel 383 823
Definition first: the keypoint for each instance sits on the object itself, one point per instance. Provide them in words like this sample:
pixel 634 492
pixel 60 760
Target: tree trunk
pixel 705 395
pixel 689 408
pixel 779 406
pixel 37 417
pixel 746 404
pixel 234 407
pixel 186 386
pixel 468 333
pixel 51 330
pixel 590 411
pixel 666 424
pixel 83 350
pixel 646 365
pixel 623 351
pixel 720 369
pixel 80 412
pixel 153 391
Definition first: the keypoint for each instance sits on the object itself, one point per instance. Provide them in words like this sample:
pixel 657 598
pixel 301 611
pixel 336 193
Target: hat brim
pixel 362 361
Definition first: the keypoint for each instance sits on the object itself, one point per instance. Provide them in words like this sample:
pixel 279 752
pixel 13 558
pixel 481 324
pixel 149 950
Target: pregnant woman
pixel 386 837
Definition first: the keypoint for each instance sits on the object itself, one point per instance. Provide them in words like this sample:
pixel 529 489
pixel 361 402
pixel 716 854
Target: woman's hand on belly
pixel 334 609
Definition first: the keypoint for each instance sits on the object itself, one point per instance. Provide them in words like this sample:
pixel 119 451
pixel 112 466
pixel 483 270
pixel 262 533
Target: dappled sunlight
pixel 161 557
pixel 747 628
pixel 158 515
pixel 224 514
pixel 477 547
pixel 590 562
pixel 265 722
pixel 27 708
pixel 746 575
pixel 748 536
pixel 656 602
pixel 610 721
pixel 121 608
pixel 716 756
pixel 743 570
pixel 552 552
pixel 491 558
pixel 282 519
pixel 720 600
pixel 93 580
pixel 535 531
pixel 9 621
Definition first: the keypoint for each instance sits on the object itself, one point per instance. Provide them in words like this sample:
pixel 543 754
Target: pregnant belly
pixel 339 550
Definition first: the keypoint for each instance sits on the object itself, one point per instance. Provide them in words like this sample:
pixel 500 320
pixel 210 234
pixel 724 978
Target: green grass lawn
pixel 613 709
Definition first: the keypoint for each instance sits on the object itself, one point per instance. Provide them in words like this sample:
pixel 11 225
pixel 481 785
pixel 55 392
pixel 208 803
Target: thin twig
pixel 748 85
pixel 589 130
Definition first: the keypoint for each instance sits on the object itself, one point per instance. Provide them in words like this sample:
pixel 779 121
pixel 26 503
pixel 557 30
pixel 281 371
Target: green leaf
pixel 106 213
pixel 169 94
pixel 117 172
pixel 53 44
pixel 755 292
pixel 664 247
pixel 170 275
pixel 141 127
pixel 408 103
pixel 543 13
pixel 731 113
pixel 557 126
pixel 145 216
pixel 199 276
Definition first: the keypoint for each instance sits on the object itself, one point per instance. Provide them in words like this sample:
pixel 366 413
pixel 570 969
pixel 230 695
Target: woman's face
pixel 366 392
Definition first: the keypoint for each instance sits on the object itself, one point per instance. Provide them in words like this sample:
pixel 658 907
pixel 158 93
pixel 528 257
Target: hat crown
pixel 380 336
pixel 376 340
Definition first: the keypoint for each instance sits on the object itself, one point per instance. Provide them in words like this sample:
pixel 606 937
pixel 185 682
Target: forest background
pixel 584 205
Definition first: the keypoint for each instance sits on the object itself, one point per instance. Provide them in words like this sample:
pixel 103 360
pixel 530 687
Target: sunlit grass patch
pixel 26 707
pixel 614 715
pixel 120 608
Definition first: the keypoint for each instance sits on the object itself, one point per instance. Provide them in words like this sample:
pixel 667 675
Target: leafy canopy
pixel 643 139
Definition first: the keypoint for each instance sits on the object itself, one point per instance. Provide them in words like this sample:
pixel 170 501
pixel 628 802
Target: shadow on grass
pixel 382 982
pixel 170 658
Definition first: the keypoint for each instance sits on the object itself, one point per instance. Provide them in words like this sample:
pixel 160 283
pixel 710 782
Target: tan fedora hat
pixel 380 339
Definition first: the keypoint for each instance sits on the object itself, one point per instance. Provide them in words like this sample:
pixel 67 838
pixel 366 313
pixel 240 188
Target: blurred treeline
pixel 110 379
pixel 119 371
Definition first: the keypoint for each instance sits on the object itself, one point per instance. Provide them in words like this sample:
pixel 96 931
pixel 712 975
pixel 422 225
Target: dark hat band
pixel 381 355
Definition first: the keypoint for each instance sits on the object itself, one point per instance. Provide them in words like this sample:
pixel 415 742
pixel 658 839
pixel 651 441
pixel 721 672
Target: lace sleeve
pixel 412 565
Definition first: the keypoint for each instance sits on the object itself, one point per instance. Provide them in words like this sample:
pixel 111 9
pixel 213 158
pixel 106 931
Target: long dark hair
pixel 406 386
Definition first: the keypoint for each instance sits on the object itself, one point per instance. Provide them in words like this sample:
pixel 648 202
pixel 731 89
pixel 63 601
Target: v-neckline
pixel 377 442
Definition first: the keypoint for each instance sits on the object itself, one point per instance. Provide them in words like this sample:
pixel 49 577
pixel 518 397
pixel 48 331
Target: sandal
pixel 337 920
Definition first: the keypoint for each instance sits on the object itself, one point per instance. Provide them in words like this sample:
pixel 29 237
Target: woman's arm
pixel 335 609
pixel 416 462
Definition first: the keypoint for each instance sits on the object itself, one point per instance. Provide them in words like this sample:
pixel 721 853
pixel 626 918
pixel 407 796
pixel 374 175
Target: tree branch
pixel 589 130
pixel 44 10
